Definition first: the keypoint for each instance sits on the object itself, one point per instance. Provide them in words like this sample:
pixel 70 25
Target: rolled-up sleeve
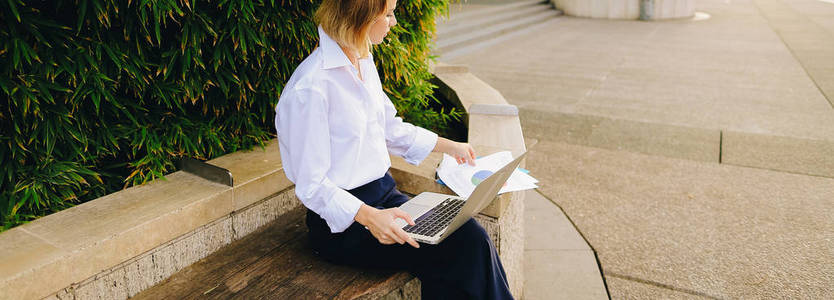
pixel 403 139
pixel 301 121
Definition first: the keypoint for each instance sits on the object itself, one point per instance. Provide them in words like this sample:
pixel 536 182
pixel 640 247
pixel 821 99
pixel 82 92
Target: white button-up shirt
pixel 335 132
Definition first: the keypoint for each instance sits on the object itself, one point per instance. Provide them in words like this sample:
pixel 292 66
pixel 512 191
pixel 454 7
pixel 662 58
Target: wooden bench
pixel 276 262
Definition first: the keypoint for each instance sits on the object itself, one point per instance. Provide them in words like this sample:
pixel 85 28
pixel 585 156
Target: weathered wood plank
pixel 374 284
pixel 212 271
pixel 275 263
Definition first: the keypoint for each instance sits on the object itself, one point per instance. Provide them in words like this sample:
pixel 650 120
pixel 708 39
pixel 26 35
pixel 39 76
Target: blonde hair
pixel 348 22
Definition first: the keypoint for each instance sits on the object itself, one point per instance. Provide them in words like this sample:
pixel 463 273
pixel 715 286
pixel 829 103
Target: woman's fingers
pixel 401 233
pixel 399 213
pixel 463 153
pixel 471 153
pixel 392 234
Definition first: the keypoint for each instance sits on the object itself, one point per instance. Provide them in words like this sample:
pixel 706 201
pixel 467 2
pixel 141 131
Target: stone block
pixel 163 263
pixel 440 68
pixel 468 89
pixel 490 224
pixel 512 236
pixel 261 213
pixel 258 173
pixel 20 251
pixel 139 274
pixel 98 235
pixel 417 179
pixel 496 131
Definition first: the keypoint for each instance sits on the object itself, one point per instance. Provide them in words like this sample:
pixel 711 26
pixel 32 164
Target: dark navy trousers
pixel 464 266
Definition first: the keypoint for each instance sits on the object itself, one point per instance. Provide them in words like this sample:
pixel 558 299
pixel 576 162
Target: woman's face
pixel 383 23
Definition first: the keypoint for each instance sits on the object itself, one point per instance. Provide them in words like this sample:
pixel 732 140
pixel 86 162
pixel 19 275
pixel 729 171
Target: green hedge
pixel 100 95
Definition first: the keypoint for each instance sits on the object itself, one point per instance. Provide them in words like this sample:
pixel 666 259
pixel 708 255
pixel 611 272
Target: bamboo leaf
pixel 82 15
pixel 13 8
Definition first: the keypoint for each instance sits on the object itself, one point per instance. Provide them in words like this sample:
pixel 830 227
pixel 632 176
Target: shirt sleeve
pixel 403 139
pixel 301 121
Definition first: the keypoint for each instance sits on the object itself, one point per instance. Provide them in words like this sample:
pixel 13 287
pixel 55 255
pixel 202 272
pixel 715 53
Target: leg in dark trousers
pixel 464 265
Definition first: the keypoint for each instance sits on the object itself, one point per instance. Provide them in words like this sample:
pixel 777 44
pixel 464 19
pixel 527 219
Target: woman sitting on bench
pixel 336 128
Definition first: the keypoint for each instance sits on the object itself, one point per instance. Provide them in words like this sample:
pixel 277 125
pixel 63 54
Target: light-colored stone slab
pixel 493 109
pixel 563 274
pixel 160 211
pixel 469 89
pixel 496 131
pixel 804 156
pixel 440 68
pixel 139 273
pixel 257 173
pixel 547 227
pixel 115 255
pixel 21 250
pixel 417 179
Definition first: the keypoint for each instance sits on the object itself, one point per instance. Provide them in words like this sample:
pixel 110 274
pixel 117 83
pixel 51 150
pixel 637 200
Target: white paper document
pixel 463 178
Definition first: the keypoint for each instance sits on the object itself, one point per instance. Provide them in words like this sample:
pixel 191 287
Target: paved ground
pixel 558 263
pixel 732 71
pixel 674 228
pixel 669 226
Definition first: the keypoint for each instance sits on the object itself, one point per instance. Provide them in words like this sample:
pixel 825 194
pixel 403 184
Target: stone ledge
pixel 71 246
pixel 493 125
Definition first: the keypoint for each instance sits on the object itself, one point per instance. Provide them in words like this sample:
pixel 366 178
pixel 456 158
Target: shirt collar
pixel 334 57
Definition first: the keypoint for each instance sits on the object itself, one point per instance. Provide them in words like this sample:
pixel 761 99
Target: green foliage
pixel 99 95
pixel 402 63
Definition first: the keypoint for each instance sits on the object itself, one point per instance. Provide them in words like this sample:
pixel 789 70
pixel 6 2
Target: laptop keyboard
pixel 437 218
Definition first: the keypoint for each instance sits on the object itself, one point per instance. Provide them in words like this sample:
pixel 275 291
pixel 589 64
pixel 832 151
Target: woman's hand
pixel 381 224
pixel 462 152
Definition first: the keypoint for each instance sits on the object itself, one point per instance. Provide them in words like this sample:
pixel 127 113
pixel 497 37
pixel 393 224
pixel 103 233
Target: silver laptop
pixel 436 216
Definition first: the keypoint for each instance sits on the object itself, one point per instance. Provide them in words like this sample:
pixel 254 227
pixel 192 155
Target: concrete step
pixel 468 10
pixel 472 24
pixel 464 39
pixel 798 155
pixel 469 13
